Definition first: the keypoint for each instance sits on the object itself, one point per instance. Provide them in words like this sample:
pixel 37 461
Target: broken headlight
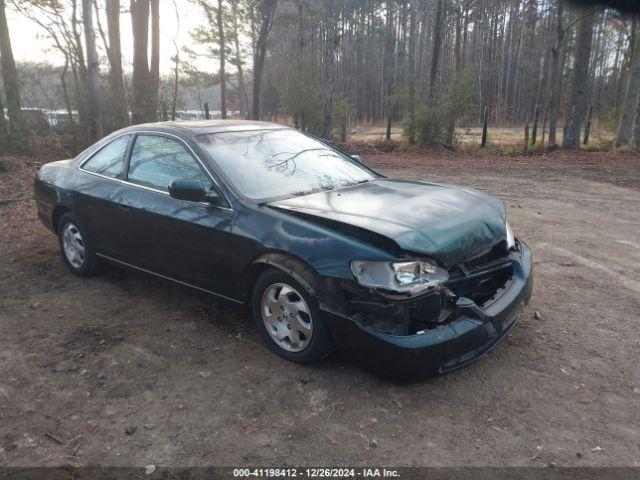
pixel 409 276
pixel 511 240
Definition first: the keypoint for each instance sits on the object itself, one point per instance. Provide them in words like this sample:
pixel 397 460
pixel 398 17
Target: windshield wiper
pixel 351 184
pixel 360 181
pixel 302 193
pixel 327 188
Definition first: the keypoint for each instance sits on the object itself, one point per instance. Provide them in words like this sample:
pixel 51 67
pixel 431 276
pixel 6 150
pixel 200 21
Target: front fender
pixel 262 235
pixel 260 229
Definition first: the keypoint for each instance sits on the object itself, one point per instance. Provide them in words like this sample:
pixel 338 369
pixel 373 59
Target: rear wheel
pixel 75 246
pixel 288 318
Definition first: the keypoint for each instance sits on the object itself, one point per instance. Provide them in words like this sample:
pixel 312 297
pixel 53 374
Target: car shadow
pixel 232 317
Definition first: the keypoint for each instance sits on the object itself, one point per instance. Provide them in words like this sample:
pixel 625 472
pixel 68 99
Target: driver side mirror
pixel 357 158
pixel 191 190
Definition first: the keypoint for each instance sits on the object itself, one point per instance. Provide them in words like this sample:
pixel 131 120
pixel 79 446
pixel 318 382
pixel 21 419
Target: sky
pixel 177 19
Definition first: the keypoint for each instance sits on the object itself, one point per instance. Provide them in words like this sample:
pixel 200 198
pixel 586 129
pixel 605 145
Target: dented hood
pixel 448 223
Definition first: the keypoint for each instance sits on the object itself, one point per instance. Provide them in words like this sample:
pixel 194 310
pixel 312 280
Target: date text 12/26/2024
pixel 315 473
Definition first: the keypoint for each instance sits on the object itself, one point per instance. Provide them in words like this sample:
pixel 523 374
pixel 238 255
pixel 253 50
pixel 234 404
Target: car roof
pixel 206 126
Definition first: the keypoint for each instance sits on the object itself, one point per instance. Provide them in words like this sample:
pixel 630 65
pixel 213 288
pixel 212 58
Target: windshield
pixel 275 163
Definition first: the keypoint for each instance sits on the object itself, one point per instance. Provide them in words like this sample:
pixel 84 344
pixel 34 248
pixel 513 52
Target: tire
pixel 304 336
pixel 75 246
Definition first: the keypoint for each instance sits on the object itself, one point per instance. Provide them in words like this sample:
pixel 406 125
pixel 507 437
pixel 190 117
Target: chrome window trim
pixel 160 134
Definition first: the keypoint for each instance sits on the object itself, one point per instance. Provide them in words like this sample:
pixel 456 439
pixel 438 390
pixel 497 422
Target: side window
pixel 156 161
pixel 109 161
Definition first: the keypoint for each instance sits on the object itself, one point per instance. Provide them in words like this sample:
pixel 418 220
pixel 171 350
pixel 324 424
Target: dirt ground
pixel 84 359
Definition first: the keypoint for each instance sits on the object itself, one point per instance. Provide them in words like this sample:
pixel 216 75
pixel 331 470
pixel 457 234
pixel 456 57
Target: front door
pixel 184 240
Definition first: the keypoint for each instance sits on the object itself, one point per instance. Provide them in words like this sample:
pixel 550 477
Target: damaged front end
pixel 435 327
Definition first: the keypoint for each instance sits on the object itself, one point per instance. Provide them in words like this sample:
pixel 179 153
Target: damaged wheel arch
pixel 297 268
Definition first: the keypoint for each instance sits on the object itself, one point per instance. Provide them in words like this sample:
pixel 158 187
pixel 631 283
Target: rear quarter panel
pixel 49 189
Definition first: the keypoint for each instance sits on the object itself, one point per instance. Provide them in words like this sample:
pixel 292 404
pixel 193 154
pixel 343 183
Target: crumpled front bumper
pixel 445 348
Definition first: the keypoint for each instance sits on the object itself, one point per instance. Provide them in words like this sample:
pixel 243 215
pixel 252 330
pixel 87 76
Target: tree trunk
pixel 578 103
pixel 93 71
pixel 625 126
pixel 485 123
pixel 16 131
pixel 3 129
pixel 163 109
pixel 635 141
pixel 534 130
pixel 437 43
pixel 118 95
pixel 625 66
pixel 556 78
pixel 67 102
pixel 81 76
pixel 140 80
pixel 327 67
pixel 176 72
pixel 587 128
pixel 154 70
pixel 243 90
pixel 412 73
pixel 267 10
pixel 514 62
pixel 465 36
pixel 300 107
pixel 389 58
pixel 528 75
pixel 223 89
pixel 526 135
pixel 242 94
pixel 457 54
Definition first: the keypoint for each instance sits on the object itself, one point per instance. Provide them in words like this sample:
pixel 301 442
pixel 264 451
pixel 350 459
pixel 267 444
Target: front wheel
pixel 75 246
pixel 288 319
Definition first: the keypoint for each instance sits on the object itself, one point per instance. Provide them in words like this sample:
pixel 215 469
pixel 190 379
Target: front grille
pixel 481 277
pixel 496 253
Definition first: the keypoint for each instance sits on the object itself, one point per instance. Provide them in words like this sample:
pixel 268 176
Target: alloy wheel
pixel 286 317
pixel 73 245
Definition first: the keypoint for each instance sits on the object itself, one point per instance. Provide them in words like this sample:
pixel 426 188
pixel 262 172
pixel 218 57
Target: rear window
pixel 109 160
